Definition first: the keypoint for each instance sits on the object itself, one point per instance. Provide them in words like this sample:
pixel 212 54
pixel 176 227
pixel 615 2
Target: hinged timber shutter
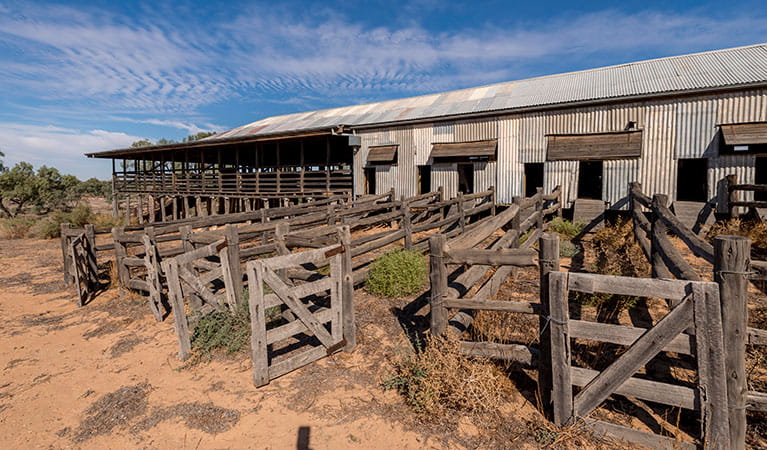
pixel 744 133
pixel 382 154
pixel 458 150
pixel 598 146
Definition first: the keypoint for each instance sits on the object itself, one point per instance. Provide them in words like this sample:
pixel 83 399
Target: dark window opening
pixel 590 180
pixel 466 178
pixel 760 178
pixel 692 180
pixel 533 178
pixel 370 180
pixel 424 179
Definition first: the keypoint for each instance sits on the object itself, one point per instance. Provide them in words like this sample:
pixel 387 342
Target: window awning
pixel 382 154
pixel 744 133
pixel 596 146
pixel 473 149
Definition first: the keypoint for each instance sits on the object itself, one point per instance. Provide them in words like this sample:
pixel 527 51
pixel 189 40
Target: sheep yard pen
pixel 297 268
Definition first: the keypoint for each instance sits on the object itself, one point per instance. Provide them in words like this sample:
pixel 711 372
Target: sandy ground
pixel 106 376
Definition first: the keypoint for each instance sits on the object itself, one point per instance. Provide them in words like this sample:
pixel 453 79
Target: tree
pixel 2 166
pixel 18 187
pixel 198 136
pixel 141 143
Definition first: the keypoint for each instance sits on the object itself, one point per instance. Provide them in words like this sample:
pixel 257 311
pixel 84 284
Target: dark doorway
pixel 370 180
pixel 466 178
pixel 533 178
pixel 590 180
pixel 760 177
pixel 424 179
pixel 692 180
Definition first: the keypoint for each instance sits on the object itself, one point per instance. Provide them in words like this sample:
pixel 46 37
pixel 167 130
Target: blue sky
pixel 77 76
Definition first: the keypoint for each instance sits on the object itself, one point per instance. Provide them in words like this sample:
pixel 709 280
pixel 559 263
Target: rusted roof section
pixel 742 66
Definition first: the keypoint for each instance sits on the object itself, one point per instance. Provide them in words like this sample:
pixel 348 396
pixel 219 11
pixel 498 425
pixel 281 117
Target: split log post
pixel 175 208
pixel 515 222
pixel 440 199
pixel 658 232
pixel 90 236
pixel 407 226
pixel 64 228
pixel 233 239
pixel 548 262
pixel 140 209
pixel 438 282
pixel 559 201
pixel 347 289
pixel 732 263
pixel 492 200
pixel 127 208
pixel 462 213
pixel 280 231
pixel 539 208
pixel 120 254
pixel 732 196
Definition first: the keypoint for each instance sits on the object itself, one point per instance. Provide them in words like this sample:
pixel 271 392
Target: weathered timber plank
pixel 654 391
pixel 493 305
pixel 623 335
pixel 627 364
pixel 633 436
pixel 518 353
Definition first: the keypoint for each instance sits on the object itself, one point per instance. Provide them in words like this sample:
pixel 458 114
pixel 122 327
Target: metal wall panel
pixel 476 130
pixel 509 166
pixel 747 106
pixel 564 174
pixel 532 139
pixel 386 178
pixel 445 175
pixel 720 167
pixel 617 175
pixel 657 167
pixel 405 183
pixel 484 175
pixel 423 137
pixel 696 128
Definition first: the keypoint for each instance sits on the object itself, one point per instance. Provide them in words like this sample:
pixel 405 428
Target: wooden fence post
pixel 140 209
pixel 559 315
pixel 658 232
pixel 347 289
pixel 120 254
pixel 406 225
pixel 516 220
pixel 64 228
pixel 732 262
pixel 233 247
pixel 559 201
pixel 492 200
pixel 438 282
pixel 90 235
pixel 539 208
pixel 548 262
pixel 732 196
pixel 462 212
pixel 441 198
pixel 127 208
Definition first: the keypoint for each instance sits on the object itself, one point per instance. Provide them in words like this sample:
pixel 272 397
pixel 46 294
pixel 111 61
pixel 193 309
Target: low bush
pixel 49 227
pixel 222 331
pixel 397 274
pixel 16 228
pixel 568 249
pixel 565 229
pixel 756 230
pixel 440 378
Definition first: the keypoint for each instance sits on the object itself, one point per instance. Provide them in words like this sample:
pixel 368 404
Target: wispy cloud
pixel 60 147
pixel 168 67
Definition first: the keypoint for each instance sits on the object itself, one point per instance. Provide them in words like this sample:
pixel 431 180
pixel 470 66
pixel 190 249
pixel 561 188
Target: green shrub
pixel 16 228
pixel 106 221
pixel 397 274
pixel 80 216
pixel 50 226
pixel 222 331
pixel 567 249
pixel 566 229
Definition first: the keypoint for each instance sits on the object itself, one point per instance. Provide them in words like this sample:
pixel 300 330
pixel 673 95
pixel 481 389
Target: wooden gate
pixel 692 327
pixel 83 269
pixel 309 326
pixel 204 276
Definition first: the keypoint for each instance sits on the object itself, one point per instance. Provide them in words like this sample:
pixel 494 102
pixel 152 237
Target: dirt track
pixel 106 376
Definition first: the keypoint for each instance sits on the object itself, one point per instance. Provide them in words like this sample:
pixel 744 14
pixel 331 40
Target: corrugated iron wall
pixel 673 129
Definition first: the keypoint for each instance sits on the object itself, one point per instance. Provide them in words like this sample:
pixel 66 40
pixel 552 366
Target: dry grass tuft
pixel 617 252
pixel 440 379
pixel 756 230
pixel 16 228
pixel 113 410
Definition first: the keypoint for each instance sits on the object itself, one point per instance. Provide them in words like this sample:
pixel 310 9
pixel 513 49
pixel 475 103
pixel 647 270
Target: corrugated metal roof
pixel 709 70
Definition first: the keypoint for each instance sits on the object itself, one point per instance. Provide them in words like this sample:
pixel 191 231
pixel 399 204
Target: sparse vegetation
pixel 397 274
pixel 16 228
pixel 439 378
pixel 222 331
pixel 568 232
pixel 756 230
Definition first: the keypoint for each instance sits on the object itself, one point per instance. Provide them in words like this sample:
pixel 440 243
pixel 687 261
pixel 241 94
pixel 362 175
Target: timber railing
pixel 730 258
pixel 733 195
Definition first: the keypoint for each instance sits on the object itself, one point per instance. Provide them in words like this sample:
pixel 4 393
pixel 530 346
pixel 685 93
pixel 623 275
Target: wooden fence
pixel 734 200
pixel 730 259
